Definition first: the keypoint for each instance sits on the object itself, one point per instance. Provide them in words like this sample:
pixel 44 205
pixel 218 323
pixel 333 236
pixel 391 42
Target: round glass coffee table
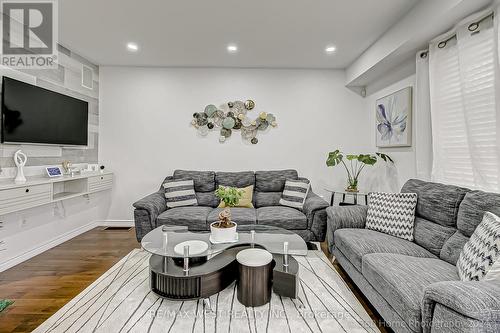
pixel 186 265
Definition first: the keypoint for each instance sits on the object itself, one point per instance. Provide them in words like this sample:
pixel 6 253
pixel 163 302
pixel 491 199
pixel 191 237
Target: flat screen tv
pixel 35 115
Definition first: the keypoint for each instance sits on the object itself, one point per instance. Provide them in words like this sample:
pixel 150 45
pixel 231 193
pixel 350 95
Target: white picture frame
pixel 393 119
pixel 53 171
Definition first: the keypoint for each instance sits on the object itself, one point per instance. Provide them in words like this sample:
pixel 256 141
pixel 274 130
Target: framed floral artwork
pixel 394 119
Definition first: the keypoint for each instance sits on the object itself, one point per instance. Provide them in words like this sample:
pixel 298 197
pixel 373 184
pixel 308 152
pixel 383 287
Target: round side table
pixel 255 277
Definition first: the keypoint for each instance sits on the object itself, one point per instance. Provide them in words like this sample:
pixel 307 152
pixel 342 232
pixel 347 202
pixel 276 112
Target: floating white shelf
pixel 39 191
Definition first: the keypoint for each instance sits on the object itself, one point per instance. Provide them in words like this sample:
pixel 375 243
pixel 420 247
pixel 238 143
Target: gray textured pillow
pixel 392 213
pixel 481 251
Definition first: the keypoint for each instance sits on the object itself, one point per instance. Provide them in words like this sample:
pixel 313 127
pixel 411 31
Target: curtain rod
pixel 472 28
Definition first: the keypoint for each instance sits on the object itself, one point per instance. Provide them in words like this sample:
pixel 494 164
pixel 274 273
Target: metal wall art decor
pixel 231 117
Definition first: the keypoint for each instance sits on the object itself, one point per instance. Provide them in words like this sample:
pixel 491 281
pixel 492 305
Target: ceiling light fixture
pixel 132 47
pixel 231 48
pixel 330 49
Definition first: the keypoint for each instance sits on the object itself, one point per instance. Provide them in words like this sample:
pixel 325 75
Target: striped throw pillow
pixel 180 193
pixel 295 193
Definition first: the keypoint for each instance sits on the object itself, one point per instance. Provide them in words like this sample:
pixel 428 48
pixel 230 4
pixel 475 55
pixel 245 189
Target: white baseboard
pixel 116 223
pixel 46 246
pixel 61 239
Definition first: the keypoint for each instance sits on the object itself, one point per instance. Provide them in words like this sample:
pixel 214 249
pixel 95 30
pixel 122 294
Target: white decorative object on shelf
pixel 20 159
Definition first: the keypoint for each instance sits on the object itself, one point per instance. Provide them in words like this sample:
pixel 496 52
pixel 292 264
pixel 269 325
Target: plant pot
pixel 222 235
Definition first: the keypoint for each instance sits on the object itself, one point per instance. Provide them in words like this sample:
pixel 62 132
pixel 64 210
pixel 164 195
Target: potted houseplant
pixel 224 230
pixel 356 164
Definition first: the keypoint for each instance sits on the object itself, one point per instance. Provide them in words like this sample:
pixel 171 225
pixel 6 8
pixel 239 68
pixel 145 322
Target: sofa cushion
pixel 472 210
pixel 355 243
pixel 204 181
pixel 283 217
pixel 437 203
pixel 430 235
pixel 235 179
pixel 453 247
pixel 401 280
pixel 273 181
pixel 241 216
pixel 264 199
pixel 207 199
pixel 194 217
pixel 470 214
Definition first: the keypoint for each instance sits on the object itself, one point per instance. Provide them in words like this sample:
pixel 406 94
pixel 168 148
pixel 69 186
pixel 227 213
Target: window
pixel 464 94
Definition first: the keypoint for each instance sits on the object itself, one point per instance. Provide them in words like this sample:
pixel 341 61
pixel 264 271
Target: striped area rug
pixel 120 301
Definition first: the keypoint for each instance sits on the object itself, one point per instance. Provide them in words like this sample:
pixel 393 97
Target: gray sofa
pixel 415 285
pixel 310 223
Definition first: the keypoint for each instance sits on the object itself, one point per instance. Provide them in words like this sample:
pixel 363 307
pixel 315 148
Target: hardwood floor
pixel 42 285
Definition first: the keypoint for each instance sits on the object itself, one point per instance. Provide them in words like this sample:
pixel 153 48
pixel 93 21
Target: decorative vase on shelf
pixel 20 159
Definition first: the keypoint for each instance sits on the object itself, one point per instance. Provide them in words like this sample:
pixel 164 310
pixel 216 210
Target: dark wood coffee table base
pixel 169 280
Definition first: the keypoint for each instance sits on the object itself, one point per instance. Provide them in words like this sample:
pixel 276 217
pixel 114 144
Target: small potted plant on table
pixel 224 230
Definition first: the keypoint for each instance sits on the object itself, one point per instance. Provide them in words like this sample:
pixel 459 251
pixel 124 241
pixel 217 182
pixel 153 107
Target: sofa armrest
pixel 314 209
pixel 146 211
pixel 343 217
pixel 154 203
pixel 479 301
pixel 313 203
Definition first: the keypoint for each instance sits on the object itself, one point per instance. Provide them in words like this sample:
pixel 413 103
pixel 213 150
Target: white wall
pixel 391 179
pixel 145 130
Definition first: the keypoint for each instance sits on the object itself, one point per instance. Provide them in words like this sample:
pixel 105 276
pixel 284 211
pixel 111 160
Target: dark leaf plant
pixel 354 164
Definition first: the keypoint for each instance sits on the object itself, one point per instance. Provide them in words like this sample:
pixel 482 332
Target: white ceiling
pixel 269 33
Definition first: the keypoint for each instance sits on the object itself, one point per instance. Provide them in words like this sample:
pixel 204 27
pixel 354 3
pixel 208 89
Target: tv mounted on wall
pixel 34 115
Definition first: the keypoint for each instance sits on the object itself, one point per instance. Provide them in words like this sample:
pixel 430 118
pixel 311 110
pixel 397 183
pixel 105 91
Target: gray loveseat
pixel 310 223
pixel 415 285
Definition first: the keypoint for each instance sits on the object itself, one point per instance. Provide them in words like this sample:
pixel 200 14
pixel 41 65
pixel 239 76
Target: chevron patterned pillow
pixel 481 251
pixel 392 213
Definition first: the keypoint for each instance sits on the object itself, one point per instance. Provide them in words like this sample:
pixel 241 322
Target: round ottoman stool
pixel 255 268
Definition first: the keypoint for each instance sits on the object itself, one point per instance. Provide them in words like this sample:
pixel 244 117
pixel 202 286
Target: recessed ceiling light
pixel 330 49
pixel 232 48
pixel 132 47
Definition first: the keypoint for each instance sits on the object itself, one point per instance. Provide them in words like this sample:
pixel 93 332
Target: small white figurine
pixel 20 159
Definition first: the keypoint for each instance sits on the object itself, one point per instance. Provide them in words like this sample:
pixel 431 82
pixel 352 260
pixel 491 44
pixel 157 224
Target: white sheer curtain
pixel 465 103
pixel 423 137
